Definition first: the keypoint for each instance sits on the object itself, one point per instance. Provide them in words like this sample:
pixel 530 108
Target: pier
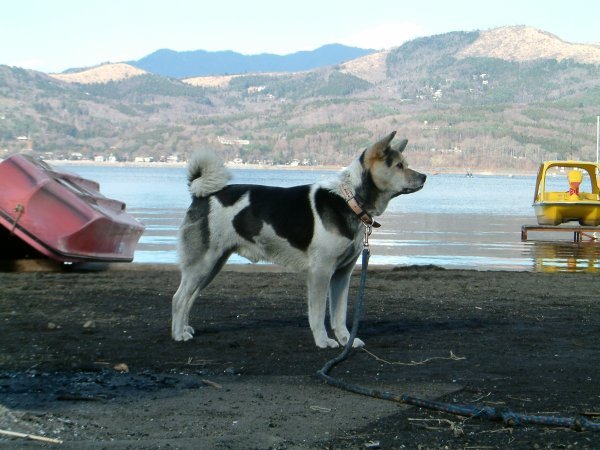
pixel 580 232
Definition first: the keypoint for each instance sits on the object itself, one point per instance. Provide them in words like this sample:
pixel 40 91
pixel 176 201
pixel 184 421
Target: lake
pixel 453 222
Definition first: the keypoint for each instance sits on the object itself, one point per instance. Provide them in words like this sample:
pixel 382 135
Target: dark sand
pixel 526 341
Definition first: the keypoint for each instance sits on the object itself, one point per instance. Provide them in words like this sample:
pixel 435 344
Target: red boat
pixel 61 216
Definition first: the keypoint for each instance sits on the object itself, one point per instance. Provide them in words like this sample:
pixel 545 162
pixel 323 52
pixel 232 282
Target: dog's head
pixel 388 167
pixel 385 174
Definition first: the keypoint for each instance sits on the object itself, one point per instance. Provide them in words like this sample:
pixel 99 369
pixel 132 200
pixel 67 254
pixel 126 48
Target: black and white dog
pixel 314 228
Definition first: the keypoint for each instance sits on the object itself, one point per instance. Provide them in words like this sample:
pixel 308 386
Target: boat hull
pixel 554 213
pixel 63 216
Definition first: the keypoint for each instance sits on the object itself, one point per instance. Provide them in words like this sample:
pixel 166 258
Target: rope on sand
pixel 508 417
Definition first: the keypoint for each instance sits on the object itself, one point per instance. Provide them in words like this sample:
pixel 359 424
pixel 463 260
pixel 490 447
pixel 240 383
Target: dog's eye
pixel 400 166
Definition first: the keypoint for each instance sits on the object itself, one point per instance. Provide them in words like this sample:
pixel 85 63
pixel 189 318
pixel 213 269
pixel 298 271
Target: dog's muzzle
pixel 411 190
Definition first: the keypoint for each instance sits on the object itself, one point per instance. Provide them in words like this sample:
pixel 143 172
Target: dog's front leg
pixel 318 285
pixel 338 304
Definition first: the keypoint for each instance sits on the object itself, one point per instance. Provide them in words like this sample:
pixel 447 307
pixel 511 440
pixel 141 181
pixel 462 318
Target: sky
pixel 55 35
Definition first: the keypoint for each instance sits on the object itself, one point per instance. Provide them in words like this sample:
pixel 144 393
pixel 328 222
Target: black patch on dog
pixel 334 212
pixel 389 157
pixel 193 176
pixel 247 224
pixel 287 210
pixel 230 194
pixel 198 213
pixel 367 192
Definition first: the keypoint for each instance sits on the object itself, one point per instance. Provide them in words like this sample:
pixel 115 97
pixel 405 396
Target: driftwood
pixel 33 437
pixel 212 384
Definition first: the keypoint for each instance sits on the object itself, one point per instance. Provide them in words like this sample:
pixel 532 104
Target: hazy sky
pixel 54 35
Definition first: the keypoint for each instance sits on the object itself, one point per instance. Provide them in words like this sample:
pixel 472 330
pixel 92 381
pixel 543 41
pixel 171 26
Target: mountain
pixel 100 74
pixel 196 63
pixel 463 99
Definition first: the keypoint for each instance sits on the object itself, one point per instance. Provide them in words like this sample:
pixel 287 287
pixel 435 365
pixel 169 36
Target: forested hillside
pixel 457 111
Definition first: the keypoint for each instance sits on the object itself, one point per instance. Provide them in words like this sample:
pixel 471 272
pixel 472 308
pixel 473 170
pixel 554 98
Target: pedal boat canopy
pixel 578 202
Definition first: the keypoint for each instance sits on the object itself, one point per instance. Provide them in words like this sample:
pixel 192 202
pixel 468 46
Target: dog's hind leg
pixel 338 304
pixel 182 302
pixel 194 278
pixel 318 284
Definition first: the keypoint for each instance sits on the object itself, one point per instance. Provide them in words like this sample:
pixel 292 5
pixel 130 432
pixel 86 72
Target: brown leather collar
pixel 355 206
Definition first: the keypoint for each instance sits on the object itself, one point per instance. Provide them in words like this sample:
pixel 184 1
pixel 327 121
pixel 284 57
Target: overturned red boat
pixel 61 216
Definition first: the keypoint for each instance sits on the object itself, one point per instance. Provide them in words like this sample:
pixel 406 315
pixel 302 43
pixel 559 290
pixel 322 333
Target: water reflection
pixel 565 256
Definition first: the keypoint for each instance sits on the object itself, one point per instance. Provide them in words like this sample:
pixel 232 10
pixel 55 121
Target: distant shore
pixel 66 162
pixel 430 171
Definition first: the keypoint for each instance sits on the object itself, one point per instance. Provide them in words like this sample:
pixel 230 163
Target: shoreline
pixel 48 265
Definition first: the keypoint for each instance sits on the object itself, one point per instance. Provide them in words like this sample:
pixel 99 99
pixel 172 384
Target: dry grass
pixel 371 67
pixel 527 43
pixel 100 74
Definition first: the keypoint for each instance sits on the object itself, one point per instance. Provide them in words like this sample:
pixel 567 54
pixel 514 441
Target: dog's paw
pixel 356 343
pixel 327 343
pixel 185 335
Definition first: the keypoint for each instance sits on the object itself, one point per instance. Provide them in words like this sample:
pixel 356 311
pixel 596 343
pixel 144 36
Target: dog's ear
pixel 401 145
pixel 378 149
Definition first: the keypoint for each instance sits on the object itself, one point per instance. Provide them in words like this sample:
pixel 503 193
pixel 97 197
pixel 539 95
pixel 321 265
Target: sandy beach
pixel 87 359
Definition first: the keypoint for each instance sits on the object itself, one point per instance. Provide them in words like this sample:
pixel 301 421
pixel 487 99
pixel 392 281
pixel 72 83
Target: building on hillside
pixel 225 140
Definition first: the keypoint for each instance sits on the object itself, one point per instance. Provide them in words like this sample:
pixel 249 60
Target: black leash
pixel 509 418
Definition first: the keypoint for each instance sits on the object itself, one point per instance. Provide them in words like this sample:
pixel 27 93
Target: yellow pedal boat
pixel 567 191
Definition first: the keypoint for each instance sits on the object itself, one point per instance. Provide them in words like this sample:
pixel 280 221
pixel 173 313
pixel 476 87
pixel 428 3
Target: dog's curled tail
pixel 206 174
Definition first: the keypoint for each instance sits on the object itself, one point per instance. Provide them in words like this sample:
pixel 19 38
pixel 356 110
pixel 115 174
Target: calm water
pixel 454 222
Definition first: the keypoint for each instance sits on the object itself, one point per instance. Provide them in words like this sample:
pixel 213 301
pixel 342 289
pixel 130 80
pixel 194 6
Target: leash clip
pixel 368 231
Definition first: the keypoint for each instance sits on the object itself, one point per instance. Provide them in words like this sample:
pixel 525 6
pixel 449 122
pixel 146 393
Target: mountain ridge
pixel 196 63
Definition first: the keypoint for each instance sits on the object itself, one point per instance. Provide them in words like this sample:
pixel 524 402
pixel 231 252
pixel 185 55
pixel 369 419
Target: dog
pixel 316 228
